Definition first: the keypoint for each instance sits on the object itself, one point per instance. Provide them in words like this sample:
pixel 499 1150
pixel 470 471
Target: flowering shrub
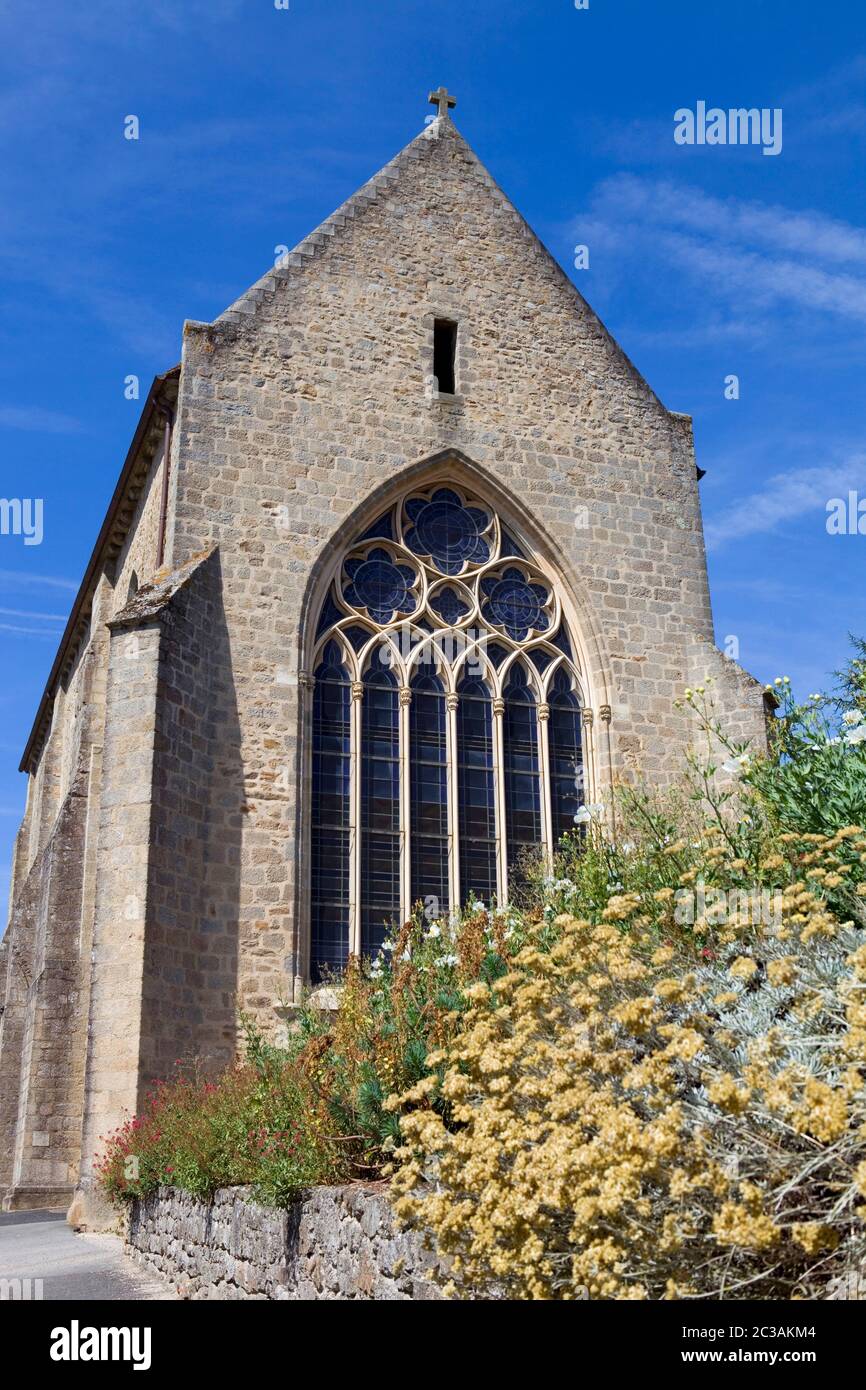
pixel 632 1114
pixel 647 1081
pixel 815 776
pixel 313 1111
pixel 248 1126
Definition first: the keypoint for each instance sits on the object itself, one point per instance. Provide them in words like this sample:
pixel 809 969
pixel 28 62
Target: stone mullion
pixel 589 769
pixel 451 703
pixel 355 821
pixel 499 801
pixel 546 787
pixel 303 952
pixel 405 805
pixel 605 716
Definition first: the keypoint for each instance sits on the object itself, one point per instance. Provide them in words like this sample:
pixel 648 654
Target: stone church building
pixel 404 565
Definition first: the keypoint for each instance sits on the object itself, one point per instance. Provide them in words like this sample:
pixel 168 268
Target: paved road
pixel 40 1245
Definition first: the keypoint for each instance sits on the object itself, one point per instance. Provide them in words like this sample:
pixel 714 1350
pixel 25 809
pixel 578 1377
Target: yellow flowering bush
pixel 639 1111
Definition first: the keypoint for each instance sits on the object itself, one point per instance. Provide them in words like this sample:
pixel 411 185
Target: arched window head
pixel 446 721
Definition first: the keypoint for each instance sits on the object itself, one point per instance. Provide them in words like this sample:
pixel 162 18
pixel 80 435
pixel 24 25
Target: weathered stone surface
pixel 160 878
pixel 334 1243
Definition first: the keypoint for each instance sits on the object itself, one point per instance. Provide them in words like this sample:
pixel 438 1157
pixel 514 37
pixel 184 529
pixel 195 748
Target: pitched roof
pixel 246 307
pixel 121 509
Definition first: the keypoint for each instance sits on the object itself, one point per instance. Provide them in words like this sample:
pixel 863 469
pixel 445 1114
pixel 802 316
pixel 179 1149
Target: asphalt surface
pixel 39 1245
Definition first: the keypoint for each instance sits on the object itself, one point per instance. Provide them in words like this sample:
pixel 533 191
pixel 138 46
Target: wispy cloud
pixel 669 204
pixel 40 421
pixel 26 579
pixel 25 613
pixel 756 266
pixel 784 498
pixel 38 632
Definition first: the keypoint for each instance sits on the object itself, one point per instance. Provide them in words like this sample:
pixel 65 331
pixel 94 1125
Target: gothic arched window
pixel 446 721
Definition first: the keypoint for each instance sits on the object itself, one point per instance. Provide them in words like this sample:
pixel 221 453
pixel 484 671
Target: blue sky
pixel 256 122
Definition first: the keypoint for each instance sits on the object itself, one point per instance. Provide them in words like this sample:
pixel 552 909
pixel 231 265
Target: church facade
pixel 405 565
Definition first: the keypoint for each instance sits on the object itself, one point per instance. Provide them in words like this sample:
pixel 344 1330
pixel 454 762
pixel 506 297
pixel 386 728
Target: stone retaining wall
pixel 335 1242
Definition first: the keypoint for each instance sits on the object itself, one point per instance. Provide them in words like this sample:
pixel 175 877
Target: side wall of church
pixel 139 552
pixel 306 402
pixel 47 946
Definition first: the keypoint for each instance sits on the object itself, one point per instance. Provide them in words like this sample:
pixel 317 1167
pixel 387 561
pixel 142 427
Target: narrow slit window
pixel 444 354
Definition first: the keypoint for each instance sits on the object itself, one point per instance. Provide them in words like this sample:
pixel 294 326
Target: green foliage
pixel 315 1110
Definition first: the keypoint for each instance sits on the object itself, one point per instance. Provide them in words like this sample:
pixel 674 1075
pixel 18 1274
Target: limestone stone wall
pixel 309 402
pixel 189 972
pixel 160 876
pixel 334 1243
pixel 138 554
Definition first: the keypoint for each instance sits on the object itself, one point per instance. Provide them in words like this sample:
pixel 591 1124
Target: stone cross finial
pixel 443 99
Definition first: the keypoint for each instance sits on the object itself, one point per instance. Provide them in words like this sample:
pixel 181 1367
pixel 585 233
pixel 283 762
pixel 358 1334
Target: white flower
pixel 852 716
pixel 816 697
pixel 857 735
pixel 446 960
pixel 741 763
pixel 434 930
pixel 387 945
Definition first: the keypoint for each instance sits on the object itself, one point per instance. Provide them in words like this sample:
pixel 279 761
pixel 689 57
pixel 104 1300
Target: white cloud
pixel 25 579
pixel 785 497
pixel 26 613
pixel 41 421
pixel 665 203
pixel 756 265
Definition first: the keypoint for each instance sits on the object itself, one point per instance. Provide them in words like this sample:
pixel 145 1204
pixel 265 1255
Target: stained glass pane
pixel 566 755
pixel 509 546
pixel 429 792
pixel 540 658
pixel 511 602
pixel 329 615
pixel 522 775
pixel 380 808
pixel 449 605
pixel 358 636
pixel 329 896
pixel 376 583
pixel 475 790
pixel 497 653
pixel 383 529
pixel 447 531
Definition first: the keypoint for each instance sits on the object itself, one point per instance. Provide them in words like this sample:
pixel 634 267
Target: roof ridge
pixel 245 309
pixel 247 305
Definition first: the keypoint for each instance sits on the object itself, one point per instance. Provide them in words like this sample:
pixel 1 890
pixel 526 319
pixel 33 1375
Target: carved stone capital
pixel 588 718
pixel 544 712
pixel 605 713
pixel 306 681
pixel 452 701
pixel 357 690
pixel 499 705
pixel 405 696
